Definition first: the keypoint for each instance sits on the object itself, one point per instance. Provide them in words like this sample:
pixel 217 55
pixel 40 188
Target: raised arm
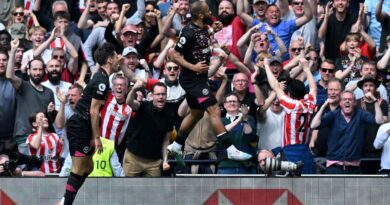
pixel 324 26
pixel 283 7
pixel 60 117
pixel 382 63
pixel 37 5
pixel 258 93
pixel 84 21
pixel 369 40
pixel 167 22
pixel 378 111
pixel 38 51
pixel 163 55
pixel 279 42
pixel 122 17
pixel 309 76
pixel 131 98
pixel 37 138
pixel 380 16
pixel 316 122
pixel 10 73
pixel 273 82
pixel 221 90
pixel 72 63
pixel 307 16
pixel 343 74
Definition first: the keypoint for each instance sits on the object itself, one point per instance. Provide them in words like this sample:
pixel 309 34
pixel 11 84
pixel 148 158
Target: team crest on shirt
pixel 86 149
pixel 205 91
pixel 102 87
pixel 182 40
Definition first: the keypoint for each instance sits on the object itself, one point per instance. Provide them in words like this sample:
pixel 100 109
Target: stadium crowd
pixel 300 80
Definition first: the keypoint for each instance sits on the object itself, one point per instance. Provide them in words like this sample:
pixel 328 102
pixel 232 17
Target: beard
pixel 54 77
pixel 207 20
pixel 227 19
pixel 37 80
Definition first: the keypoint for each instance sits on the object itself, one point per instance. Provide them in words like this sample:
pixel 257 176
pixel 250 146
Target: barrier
pixel 207 190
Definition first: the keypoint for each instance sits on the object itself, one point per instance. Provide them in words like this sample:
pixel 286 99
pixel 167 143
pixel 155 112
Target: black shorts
pixel 79 133
pixel 198 93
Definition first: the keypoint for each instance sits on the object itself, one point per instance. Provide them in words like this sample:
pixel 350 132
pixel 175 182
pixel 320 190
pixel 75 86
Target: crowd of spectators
pixel 303 80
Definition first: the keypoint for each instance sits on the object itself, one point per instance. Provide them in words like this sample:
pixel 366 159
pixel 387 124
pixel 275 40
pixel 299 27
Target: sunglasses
pixel 327 70
pixel 58 57
pixel 296 49
pixel 298 3
pixel 18 13
pixel 175 68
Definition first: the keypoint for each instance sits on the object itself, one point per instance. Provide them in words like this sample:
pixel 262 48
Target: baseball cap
pixel 18 30
pixel 129 50
pixel 129 28
pixel 134 21
pixel 255 1
pixel 275 59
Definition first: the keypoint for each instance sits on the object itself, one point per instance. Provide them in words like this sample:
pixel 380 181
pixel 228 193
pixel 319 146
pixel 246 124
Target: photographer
pixel 9 165
pixel 276 165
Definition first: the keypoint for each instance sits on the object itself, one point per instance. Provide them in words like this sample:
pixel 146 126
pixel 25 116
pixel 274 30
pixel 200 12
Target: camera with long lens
pixel 15 159
pixel 278 165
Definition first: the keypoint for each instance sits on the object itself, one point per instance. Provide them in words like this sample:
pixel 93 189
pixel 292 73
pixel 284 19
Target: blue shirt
pixel 284 29
pixel 375 28
pixel 346 139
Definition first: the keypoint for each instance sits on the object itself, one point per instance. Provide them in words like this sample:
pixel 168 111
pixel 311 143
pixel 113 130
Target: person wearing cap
pixel 259 9
pixel 132 62
pixel 276 67
pixel 149 27
pixel 346 138
pixel 369 86
pixel 299 108
pixel 18 30
pixel 368 68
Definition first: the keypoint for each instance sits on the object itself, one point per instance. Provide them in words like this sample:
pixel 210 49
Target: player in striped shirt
pixel 115 115
pixel 299 108
pixel 45 145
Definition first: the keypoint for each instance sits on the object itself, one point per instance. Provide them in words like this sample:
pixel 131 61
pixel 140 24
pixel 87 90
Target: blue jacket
pixel 346 140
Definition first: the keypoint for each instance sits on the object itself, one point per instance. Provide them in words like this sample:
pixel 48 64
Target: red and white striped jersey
pixel 114 119
pixel 28 5
pixel 297 119
pixel 49 152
